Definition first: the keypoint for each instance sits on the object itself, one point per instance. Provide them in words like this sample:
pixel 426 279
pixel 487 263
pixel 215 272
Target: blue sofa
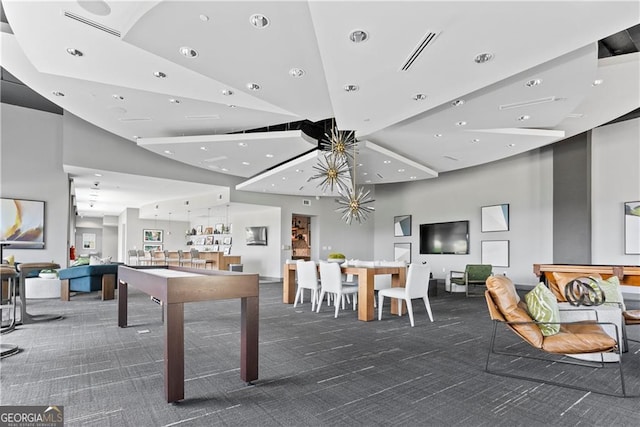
pixel 89 278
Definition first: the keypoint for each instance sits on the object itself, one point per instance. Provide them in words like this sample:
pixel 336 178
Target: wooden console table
pixel 628 275
pixel 366 295
pixel 175 286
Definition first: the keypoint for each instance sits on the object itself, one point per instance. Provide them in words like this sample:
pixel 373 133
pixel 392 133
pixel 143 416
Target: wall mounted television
pixel 22 223
pixel 444 238
pixel 256 236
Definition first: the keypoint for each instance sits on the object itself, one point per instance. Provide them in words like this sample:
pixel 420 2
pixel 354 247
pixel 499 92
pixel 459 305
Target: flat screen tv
pixel 445 238
pixel 256 236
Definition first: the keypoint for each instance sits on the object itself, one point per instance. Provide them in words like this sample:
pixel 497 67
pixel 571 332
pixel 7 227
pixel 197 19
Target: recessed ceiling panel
pixel 244 154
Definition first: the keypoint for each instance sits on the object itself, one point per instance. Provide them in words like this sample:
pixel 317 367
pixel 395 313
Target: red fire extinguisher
pixel 72 253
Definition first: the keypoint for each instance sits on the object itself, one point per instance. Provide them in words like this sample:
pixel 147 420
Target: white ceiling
pixel 400 138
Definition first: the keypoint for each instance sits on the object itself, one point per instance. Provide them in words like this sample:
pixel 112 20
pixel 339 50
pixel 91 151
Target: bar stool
pixel 196 260
pixel 9 274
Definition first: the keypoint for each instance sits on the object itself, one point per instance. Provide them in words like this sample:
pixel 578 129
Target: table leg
pixel 122 304
pixel 288 285
pixel 108 286
pixel 365 295
pixel 249 326
pixel 174 351
pixel 65 292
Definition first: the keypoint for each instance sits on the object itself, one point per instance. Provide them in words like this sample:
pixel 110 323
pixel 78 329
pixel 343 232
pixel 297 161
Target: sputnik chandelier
pixel 333 169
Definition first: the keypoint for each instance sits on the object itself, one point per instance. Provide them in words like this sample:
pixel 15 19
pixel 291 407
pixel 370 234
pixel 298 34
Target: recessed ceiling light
pixel 259 20
pixel 597 82
pixel 74 52
pixel 56 93
pixel 296 72
pixel 351 88
pixel 224 170
pixel 203 17
pixel 269 156
pixel 168 152
pixel 523 118
pixel 299 170
pixel 359 165
pixel 419 97
pixel 483 57
pixel 284 178
pixel 242 144
pixel 400 170
pixel 188 52
pixel 511 145
pixel 461 123
pixel 135 137
pixel 227 92
pixel 246 163
pixel 253 86
pixel 231 106
pixel 358 36
pixel 437 135
pixel 159 74
pixel 118 97
pixel 174 101
pixel 413 177
pixel 457 102
pixel 475 140
pixel 365 173
pixel 533 82
pixel 386 162
pixel 97 174
pixel 204 148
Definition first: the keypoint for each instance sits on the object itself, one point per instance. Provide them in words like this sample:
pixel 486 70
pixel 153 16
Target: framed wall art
pixel 402 252
pixel 402 225
pixel 495 252
pixel 152 236
pixel 495 218
pixel 632 228
pixel 152 247
pixel 22 223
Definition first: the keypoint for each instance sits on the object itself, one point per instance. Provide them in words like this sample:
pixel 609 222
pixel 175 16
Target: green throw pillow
pixel 543 307
pixel 80 261
pixel 611 289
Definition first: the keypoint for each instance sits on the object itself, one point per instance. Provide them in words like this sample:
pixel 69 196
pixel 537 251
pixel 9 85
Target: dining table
pixel 366 294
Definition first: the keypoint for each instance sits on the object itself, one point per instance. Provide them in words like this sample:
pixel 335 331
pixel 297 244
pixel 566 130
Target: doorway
pixel 301 237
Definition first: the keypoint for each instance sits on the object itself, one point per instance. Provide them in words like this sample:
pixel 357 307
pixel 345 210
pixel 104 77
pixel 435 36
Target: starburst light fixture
pixel 333 171
pixel 353 205
pixel 342 143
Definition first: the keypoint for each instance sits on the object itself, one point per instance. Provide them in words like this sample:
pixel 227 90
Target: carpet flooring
pixel 314 370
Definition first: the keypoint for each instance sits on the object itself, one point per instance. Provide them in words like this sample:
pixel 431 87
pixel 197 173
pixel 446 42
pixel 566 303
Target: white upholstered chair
pixel 417 286
pixel 307 278
pixel 331 282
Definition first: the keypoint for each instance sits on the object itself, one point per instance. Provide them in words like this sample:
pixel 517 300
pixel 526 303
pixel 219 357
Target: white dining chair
pixel 307 278
pixel 417 286
pixel 331 283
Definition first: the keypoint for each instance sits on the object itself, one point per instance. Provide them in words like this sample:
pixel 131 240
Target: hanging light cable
pixel 354 204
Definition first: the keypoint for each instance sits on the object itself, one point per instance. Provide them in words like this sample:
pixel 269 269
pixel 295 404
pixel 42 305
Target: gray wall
pixel 572 200
pixel 523 181
pixel 31 168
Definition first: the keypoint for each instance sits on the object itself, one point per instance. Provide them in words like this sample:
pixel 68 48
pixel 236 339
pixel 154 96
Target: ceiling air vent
pixel 92 23
pixel 427 40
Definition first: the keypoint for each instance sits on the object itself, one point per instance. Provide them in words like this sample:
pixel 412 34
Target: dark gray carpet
pixel 314 369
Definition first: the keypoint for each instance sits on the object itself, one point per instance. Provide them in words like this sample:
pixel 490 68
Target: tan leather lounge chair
pixel 506 308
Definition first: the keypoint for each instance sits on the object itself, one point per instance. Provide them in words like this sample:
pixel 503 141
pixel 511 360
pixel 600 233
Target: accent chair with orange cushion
pixel 505 307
